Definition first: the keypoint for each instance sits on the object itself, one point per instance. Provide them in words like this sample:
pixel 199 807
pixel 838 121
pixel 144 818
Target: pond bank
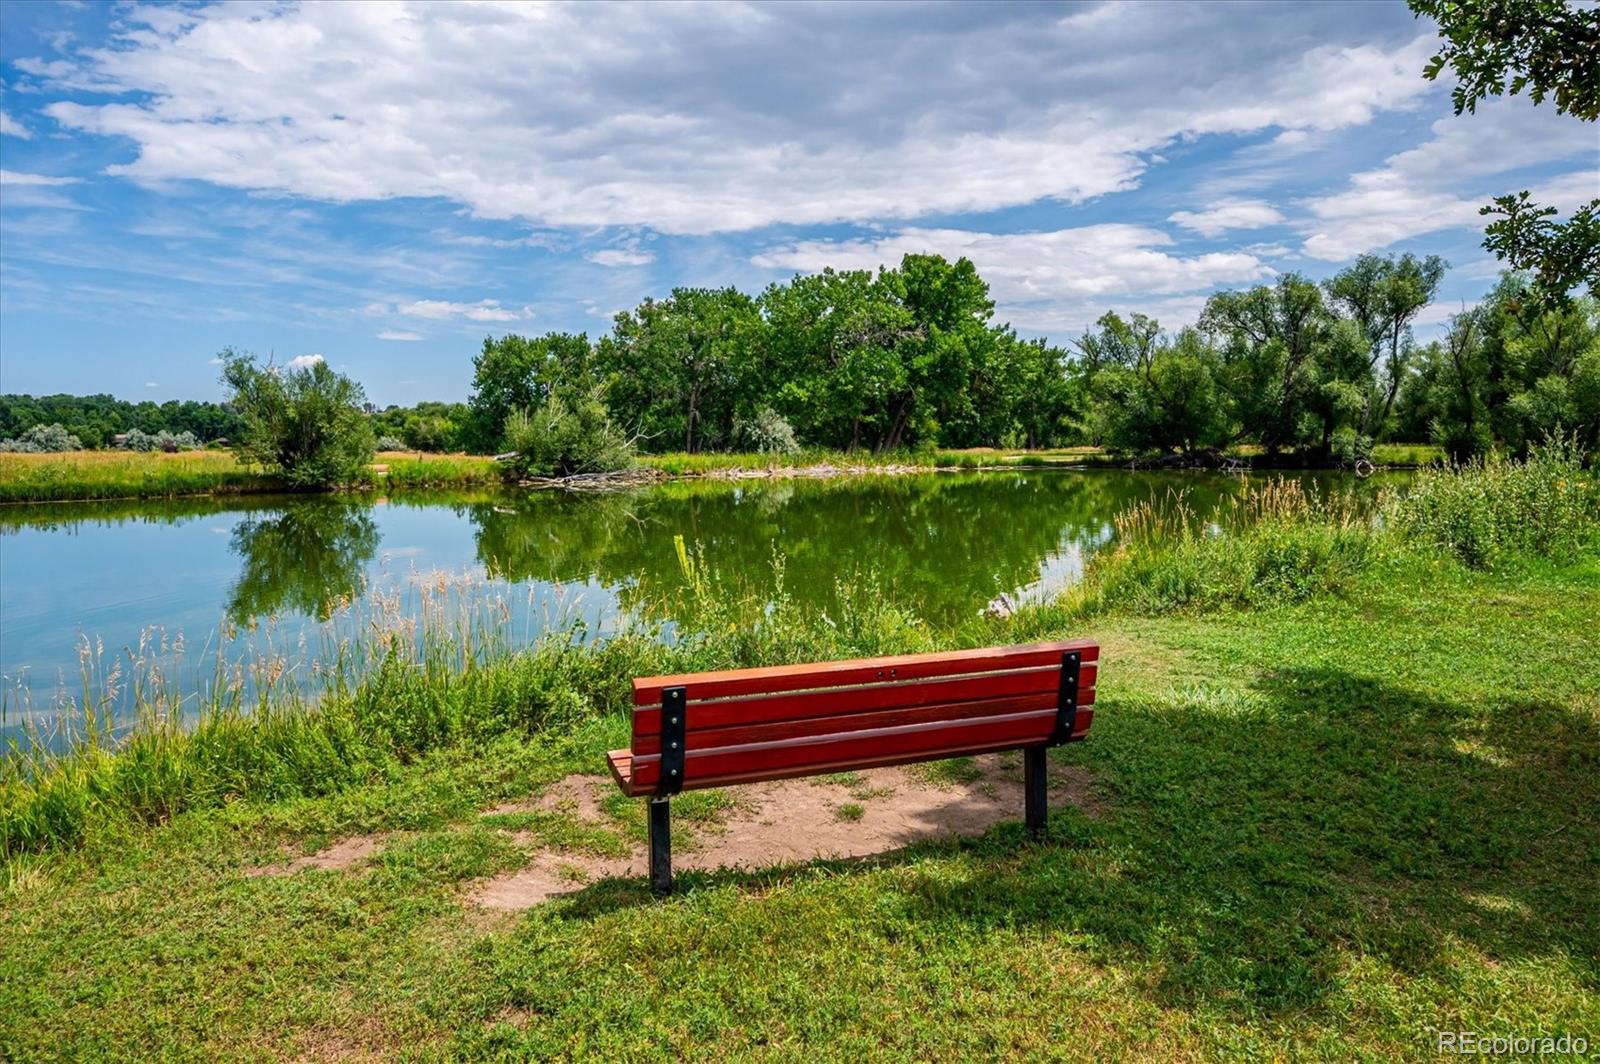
pixel 99 475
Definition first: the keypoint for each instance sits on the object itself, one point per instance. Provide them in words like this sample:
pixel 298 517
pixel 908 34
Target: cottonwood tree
pixel 677 367
pixel 1273 352
pixel 1383 295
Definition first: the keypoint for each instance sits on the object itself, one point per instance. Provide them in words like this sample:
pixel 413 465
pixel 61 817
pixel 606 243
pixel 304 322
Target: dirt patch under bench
pixel 856 814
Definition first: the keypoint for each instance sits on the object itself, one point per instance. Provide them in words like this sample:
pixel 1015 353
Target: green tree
pixel 520 373
pixel 832 348
pixel 677 369
pixel 1383 295
pixel 1275 341
pixel 1452 387
pixel 1167 399
pixel 307 424
pixel 1549 48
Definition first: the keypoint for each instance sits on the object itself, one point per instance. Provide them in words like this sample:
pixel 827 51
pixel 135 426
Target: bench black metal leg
pixel 1035 787
pixel 660 846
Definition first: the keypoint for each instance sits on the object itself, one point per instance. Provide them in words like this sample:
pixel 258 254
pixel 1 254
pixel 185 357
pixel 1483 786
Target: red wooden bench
pixel 713 729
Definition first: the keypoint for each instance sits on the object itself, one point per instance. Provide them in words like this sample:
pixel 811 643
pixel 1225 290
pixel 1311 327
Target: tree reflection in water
pixel 310 557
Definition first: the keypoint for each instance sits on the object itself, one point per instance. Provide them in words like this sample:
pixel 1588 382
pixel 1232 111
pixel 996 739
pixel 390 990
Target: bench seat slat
pixel 835 701
pixel 875 746
pixel 646 743
pixel 647 690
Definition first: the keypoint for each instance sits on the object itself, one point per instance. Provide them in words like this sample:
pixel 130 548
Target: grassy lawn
pixel 1330 828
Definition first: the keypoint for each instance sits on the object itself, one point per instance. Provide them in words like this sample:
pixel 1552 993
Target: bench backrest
pixel 746 725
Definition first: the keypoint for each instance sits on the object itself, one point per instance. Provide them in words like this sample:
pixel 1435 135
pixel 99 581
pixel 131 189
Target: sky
pixel 382 185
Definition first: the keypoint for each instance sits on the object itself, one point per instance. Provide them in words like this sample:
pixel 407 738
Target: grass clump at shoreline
pixel 1490 508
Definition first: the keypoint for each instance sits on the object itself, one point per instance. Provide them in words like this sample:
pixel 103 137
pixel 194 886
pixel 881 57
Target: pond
pixel 214 575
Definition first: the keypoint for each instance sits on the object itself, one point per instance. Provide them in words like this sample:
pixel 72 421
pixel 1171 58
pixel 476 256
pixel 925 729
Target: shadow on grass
pixel 1261 842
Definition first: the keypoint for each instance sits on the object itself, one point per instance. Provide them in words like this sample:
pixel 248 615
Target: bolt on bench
pixel 713 729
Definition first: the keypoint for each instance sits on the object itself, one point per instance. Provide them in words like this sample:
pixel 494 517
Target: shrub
pixel 1349 447
pixel 565 436
pixel 306 423
pixel 136 440
pixel 43 439
pixel 1483 510
pixel 766 432
pixel 391 443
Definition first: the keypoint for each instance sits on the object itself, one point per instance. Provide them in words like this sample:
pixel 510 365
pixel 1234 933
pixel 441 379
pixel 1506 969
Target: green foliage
pixel 1547 47
pixel 563 436
pixel 1271 546
pixel 1562 256
pixel 306 424
pixel 1491 508
pixel 1502 373
pixel 1498 46
pixel 517 373
pixel 95 419
pixel 43 439
pixel 1166 399
pixel 677 370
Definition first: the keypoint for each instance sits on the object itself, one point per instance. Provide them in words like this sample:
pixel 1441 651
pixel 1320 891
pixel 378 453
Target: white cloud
pixel 11 178
pixel 305 361
pixel 621 257
pixel 1225 215
pixel 441 310
pixel 10 127
pixel 1049 280
pixel 1441 183
pixel 400 334
pixel 152 384
pixel 704 118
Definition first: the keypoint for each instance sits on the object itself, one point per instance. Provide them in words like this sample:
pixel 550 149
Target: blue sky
pixel 382 185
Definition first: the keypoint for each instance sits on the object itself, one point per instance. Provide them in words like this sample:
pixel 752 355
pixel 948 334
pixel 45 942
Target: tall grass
pixel 417 470
pixel 1493 508
pixel 126 475
pixel 1272 544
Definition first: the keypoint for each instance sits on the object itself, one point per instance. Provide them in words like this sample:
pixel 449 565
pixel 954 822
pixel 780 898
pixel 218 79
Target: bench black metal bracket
pixel 1067 701
pixel 674 714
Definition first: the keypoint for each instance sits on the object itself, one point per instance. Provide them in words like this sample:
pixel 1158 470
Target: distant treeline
pixel 96 419
pixel 911 357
